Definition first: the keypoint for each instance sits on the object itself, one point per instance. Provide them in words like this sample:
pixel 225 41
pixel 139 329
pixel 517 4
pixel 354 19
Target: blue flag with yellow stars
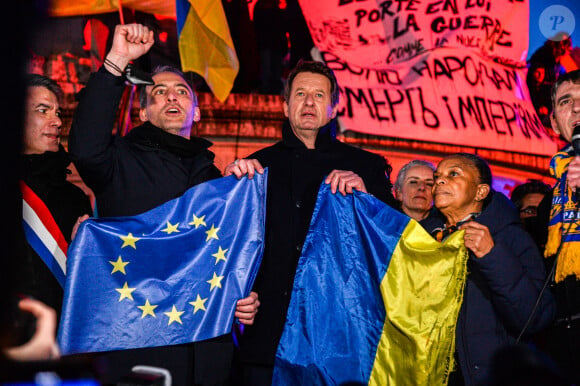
pixel 168 276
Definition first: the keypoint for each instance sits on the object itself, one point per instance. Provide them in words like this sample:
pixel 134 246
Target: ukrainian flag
pixel 375 299
pixel 205 44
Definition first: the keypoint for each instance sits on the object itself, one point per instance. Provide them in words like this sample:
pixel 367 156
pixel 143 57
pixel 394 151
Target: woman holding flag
pixel 503 298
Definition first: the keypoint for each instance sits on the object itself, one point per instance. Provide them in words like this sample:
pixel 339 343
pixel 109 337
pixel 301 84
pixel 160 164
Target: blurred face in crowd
pixel 170 104
pixel 530 203
pixel 309 106
pixel 458 191
pixel 415 192
pixel 539 74
pixel 566 114
pixel 42 124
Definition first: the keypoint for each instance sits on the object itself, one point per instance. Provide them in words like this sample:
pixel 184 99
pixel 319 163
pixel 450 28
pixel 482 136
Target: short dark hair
pixel 403 171
pixel 315 67
pixel 571 76
pixel 480 164
pixel 36 80
pixel 531 186
pixel 166 68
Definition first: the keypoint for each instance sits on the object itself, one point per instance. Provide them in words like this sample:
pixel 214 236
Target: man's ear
pixel 143 115
pixel 196 114
pixel 554 123
pixel 286 109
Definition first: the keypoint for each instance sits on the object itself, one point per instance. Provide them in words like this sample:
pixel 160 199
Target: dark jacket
pixel 130 175
pixel 562 340
pixel 295 174
pixel 502 288
pixel 46 175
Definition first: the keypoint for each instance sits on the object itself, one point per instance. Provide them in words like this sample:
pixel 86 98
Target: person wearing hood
pixel 43 171
pixel 506 273
pixel 307 156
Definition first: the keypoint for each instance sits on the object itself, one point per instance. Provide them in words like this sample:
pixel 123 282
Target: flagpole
pixel 126 116
pixel 121 12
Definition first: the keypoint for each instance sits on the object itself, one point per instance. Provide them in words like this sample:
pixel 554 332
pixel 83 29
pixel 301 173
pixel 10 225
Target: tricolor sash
pixel 43 234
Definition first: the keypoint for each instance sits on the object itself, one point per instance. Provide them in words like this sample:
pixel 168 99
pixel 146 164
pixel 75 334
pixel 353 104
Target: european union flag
pixel 375 299
pixel 168 276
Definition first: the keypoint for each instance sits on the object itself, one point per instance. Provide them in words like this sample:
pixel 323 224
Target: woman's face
pixel 415 192
pixel 457 187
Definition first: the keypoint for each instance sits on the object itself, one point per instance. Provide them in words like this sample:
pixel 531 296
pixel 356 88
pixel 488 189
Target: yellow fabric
pixel 206 47
pixel 62 8
pixel 563 222
pixel 423 291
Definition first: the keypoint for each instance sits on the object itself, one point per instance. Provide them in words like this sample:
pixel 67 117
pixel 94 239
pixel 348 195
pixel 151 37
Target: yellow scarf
pixel 563 226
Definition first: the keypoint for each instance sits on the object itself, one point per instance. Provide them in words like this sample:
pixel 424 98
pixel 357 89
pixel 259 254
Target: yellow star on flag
pixel 197 221
pixel 215 281
pixel 119 266
pixel 220 255
pixel 129 240
pixel 170 228
pixel 199 304
pixel 174 316
pixel 147 309
pixel 125 292
pixel 212 233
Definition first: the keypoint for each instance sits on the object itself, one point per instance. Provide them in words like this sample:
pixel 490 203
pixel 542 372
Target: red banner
pixel 446 71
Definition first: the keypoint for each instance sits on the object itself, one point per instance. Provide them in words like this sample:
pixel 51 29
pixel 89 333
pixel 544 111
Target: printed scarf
pixel 563 225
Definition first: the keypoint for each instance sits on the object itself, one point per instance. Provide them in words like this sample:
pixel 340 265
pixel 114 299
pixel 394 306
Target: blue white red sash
pixel 43 234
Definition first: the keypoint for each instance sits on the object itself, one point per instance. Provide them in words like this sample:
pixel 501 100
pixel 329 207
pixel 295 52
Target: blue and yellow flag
pixel 375 299
pixel 168 276
pixel 205 44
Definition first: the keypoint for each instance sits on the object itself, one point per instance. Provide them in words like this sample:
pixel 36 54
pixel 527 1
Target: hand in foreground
pixel 130 41
pixel 42 345
pixel 77 225
pixel 345 181
pixel 247 308
pixel 574 174
pixel 241 167
pixel 477 238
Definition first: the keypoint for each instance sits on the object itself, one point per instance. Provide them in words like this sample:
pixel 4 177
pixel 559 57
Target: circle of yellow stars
pixel 148 309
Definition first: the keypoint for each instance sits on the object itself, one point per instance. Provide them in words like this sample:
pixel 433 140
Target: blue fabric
pixel 345 257
pixel 181 12
pixel 169 263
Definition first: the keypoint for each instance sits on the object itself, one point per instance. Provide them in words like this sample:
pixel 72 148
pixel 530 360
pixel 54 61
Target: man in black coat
pixel 308 155
pixel 156 162
pixel 43 172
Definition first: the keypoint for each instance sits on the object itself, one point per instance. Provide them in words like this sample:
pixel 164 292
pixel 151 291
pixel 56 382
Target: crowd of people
pixel 522 286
